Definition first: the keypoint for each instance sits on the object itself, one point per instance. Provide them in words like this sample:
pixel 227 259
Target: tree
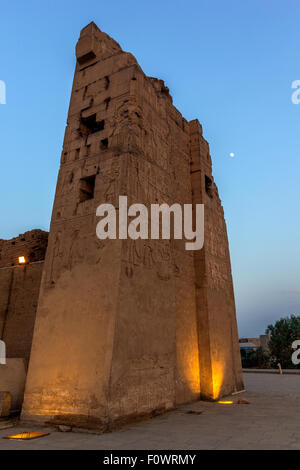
pixel 283 333
pixel 258 359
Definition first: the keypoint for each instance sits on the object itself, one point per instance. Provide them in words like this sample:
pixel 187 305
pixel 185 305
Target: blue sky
pixel 229 64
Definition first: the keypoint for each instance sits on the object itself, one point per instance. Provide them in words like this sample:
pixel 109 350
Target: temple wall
pixel 128 328
pixel 155 356
pixel 19 290
pixel 220 362
pixel 32 245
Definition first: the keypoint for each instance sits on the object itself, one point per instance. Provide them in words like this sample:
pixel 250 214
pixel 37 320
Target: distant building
pixel 252 344
pixel 264 342
pixel 247 346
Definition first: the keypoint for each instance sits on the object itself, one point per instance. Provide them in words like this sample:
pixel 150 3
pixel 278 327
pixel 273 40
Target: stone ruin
pixel 19 290
pixel 129 328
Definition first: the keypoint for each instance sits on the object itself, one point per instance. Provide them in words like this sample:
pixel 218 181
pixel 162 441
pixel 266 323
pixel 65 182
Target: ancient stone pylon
pixel 127 328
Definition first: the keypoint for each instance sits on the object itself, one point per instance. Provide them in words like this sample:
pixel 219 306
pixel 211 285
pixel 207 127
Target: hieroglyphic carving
pixel 57 256
pixel 151 254
pixel 77 250
pixel 110 181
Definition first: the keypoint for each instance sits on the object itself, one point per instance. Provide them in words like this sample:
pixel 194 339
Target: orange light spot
pixel 24 436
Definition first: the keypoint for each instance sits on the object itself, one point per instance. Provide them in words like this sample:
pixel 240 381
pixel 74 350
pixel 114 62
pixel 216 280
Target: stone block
pixel 12 379
pixel 5 404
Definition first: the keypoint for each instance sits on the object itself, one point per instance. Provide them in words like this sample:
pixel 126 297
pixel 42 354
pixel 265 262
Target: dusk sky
pixel 229 64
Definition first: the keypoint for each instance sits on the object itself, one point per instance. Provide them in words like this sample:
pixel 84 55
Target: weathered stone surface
pixel 19 291
pixel 128 328
pixel 32 245
pixel 5 404
pixel 12 379
pixel 63 428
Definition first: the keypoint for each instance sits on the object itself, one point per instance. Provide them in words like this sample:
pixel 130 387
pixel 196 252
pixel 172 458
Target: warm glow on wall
pixel 218 377
pixel 22 260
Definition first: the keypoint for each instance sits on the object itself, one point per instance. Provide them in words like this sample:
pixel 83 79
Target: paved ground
pixel 270 421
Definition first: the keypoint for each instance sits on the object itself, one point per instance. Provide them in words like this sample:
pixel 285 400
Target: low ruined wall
pixel 32 245
pixel 12 380
pixel 19 290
